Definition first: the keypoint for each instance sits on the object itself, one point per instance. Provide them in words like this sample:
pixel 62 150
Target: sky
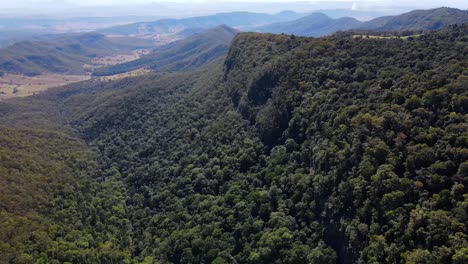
pixel 421 3
pixel 194 7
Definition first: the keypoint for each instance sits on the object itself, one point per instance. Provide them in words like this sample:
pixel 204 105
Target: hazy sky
pixel 184 8
pixel 420 3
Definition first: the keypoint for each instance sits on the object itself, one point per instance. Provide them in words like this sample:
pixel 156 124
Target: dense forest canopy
pixel 294 150
pixel 56 204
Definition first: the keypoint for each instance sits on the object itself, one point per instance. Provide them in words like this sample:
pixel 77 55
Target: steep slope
pixel 313 25
pixel 187 54
pixel 54 207
pixel 433 19
pixel 65 54
pixel 329 150
pixel 295 150
pixel 234 19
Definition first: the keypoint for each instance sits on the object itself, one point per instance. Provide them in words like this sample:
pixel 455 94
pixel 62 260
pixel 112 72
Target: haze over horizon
pixel 184 8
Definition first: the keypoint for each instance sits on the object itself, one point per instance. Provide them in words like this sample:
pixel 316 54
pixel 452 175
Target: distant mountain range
pixel 187 54
pixel 314 25
pixel 433 19
pixel 66 54
pixel 202 48
pixel 318 24
pixel 201 40
pixel 238 20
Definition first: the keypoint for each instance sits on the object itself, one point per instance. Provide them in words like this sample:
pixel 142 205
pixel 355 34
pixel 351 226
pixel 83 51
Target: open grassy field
pixel 115 59
pixel 119 76
pixel 12 86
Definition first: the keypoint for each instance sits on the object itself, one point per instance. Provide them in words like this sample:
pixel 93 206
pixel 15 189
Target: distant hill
pixel 203 48
pixel 432 19
pixel 240 20
pixel 314 25
pixel 319 24
pixel 187 54
pixel 363 15
pixel 65 54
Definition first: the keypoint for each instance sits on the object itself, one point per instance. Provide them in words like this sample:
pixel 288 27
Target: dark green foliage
pixel 376 150
pixel 296 150
pixel 54 207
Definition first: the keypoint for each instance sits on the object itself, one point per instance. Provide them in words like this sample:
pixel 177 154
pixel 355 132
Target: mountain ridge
pixel 313 25
pixel 187 54
pixel 65 54
pixel 431 19
pixel 233 19
pixel 318 24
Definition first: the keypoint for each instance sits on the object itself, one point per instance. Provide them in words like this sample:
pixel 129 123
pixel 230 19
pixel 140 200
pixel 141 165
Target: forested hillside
pixel 64 54
pixel 56 204
pixel 318 24
pixel 187 54
pixel 313 25
pixel 294 150
pixel 432 19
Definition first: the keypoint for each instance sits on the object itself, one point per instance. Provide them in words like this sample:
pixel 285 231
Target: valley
pixel 15 85
pixel 118 76
pixel 227 145
pixel 116 59
pixel 12 86
pixel 136 49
